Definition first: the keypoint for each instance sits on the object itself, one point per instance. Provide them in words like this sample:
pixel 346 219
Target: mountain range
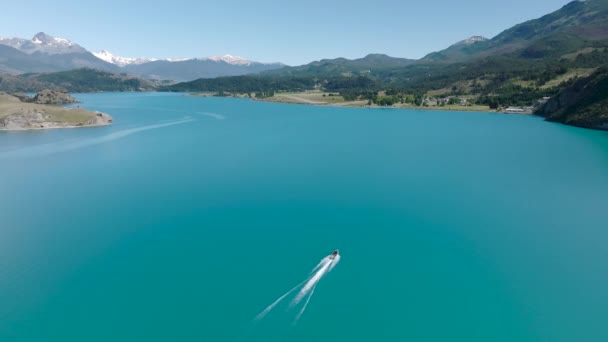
pixel 576 26
pixel 539 58
pixel 189 69
pixel 45 53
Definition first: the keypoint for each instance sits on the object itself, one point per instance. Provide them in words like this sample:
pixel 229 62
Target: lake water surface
pixel 190 215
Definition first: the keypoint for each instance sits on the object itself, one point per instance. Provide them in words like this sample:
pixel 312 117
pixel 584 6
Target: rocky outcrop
pixel 28 120
pixel 101 119
pixel 584 103
pixel 48 96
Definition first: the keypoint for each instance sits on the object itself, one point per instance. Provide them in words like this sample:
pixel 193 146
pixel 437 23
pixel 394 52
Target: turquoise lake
pixel 190 215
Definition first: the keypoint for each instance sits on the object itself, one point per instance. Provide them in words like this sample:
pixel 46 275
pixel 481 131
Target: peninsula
pixel 16 115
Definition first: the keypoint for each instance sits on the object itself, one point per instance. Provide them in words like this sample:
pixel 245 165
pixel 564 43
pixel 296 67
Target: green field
pixel 308 97
pixel 573 73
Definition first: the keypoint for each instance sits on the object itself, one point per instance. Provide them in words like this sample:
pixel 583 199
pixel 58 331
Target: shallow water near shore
pixel 189 215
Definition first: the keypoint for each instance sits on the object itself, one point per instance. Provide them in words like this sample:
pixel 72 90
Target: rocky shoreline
pixel 38 120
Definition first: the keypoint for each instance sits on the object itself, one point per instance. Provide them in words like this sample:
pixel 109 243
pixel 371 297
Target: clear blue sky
pixel 268 31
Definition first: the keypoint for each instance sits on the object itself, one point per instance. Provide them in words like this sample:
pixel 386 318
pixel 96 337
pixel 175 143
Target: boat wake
pixel 58 147
pixel 306 287
pixel 213 115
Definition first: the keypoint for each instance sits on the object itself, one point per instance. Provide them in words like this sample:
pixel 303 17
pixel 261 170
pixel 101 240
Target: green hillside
pixel 532 60
pixel 582 103
pixel 574 26
pixel 77 81
pixel 89 80
pixel 244 84
pixel 344 67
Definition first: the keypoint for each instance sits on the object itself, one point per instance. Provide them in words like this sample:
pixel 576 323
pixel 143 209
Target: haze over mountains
pixel 193 68
pixel 45 53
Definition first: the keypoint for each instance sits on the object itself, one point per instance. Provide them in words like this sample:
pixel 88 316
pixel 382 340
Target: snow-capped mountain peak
pixel 124 61
pixel 43 43
pixel 42 38
pixel 472 40
pixel 230 59
pixel 177 59
pixel 120 61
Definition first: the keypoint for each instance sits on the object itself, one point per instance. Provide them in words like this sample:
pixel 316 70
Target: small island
pixel 21 112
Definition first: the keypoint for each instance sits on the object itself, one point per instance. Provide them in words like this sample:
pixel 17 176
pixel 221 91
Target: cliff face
pixel 17 115
pixel 583 104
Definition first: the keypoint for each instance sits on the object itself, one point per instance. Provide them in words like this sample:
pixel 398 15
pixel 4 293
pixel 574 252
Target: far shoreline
pixel 289 98
pixel 462 109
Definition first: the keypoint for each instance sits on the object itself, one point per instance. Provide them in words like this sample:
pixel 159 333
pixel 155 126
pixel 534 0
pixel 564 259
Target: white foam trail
pixel 305 305
pixel 127 132
pixel 64 147
pixel 334 262
pixel 321 264
pixel 311 283
pixel 271 306
pixel 213 115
